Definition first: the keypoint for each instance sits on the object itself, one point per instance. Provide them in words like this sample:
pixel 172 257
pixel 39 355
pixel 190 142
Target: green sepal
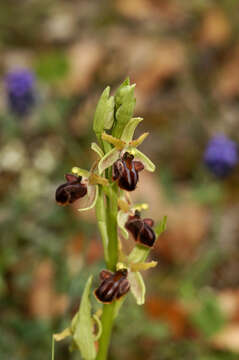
pixel 129 129
pixel 137 287
pixel 82 326
pixel 148 164
pixel 161 226
pixel 104 113
pixel 97 149
pixel 124 113
pixel 139 254
pixel 108 160
pixel 89 200
pixel 122 218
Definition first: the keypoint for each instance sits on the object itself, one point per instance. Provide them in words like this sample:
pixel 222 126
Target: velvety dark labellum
pixel 125 171
pixel 141 229
pixel 70 191
pixel 113 286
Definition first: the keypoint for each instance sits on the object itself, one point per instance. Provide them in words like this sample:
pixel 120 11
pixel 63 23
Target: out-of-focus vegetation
pixel 184 57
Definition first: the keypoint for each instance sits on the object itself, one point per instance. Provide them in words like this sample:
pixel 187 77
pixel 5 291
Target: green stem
pixel 107 325
pixel 112 208
pixel 102 224
pixel 109 309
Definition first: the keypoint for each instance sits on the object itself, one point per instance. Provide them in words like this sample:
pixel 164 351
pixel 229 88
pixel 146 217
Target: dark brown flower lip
pixel 113 286
pixel 141 229
pixel 70 191
pixel 125 171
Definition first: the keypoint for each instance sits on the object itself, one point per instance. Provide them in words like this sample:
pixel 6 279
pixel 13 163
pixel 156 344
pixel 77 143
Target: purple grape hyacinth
pixel 20 86
pixel 221 155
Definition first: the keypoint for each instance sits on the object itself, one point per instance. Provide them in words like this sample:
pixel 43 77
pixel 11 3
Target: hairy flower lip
pixel 113 286
pixel 70 191
pixel 141 229
pixel 125 172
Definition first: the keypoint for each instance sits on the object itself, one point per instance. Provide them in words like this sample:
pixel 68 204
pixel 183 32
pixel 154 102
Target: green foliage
pixel 52 67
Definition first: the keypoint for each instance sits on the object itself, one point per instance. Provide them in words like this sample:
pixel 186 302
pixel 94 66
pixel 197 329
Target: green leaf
pixel 104 113
pixel 83 326
pixel 125 110
pixel 148 164
pixel 137 287
pixel 161 226
pixel 122 217
pixel 97 149
pixel 108 160
pixel 89 200
pixel 129 129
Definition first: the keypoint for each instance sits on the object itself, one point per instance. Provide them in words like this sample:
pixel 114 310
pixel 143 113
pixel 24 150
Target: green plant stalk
pixel 109 309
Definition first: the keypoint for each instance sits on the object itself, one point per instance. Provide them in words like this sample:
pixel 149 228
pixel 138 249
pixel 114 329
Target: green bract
pixel 82 327
pixel 104 113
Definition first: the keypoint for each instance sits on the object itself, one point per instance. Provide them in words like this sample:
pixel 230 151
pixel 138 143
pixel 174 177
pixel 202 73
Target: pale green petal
pixel 161 226
pixel 83 326
pixel 137 287
pixel 80 172
pixel 122 218
pixel 108 160
pixel 129 129
pixel 97 149
pixel 89 200
pixel 148 164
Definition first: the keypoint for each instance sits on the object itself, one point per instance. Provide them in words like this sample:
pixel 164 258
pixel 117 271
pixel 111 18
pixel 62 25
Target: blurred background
pixel 56 59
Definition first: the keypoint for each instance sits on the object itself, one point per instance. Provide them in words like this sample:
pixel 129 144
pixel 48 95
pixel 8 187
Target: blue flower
pixel 221 155
pixel 20 86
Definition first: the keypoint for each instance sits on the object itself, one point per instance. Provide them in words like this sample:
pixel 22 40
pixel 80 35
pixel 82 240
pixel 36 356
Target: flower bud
pixel 70 191
pixel 141 229
pixel 113 286
pixel 125 171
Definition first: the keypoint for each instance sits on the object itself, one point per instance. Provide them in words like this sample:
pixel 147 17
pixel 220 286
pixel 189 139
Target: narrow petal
pixel 108 160
pixel 148 164
pixel 143 266
pixel 80 172
pixel 140 139
pixel 118 143
pixel 137 286
pixel 89 201
pixel 129 129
